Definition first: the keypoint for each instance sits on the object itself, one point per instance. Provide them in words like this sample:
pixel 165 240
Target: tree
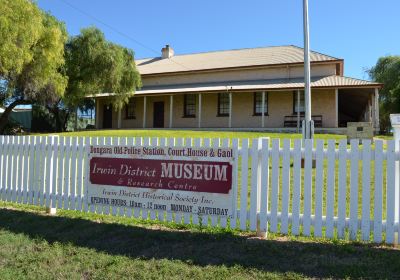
pixel 95 65
pixel 31 56
pixel 387 71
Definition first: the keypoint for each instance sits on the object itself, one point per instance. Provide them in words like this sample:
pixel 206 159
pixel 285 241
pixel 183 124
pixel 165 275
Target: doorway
pixel 158 114
pixel 107 116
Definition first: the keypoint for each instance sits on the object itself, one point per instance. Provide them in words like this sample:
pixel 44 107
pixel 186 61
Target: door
pixel 107 116
pixel 158 114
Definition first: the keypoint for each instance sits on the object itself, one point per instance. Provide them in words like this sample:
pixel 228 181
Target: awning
pixel 254 85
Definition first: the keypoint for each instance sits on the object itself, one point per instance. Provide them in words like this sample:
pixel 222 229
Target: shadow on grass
pixel 202 249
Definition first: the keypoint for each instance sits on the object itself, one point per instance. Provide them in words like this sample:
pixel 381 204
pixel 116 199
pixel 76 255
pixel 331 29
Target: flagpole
pixel 308 125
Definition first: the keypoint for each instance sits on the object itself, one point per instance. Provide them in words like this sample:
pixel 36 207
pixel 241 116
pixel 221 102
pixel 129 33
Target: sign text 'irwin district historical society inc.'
pixel 174 179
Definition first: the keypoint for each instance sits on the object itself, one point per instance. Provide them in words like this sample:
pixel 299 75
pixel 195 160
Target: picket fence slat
pixel 215 144
pixel 264 197
pixel 15 171
pixel 354 189
pixel 243 191
pixel 3 151
pixel 5 167
pixel 330 189
pixel 342 189
pixel 108 142
pixel 114 141
pixel 196 144
pixel 66 173
pixel 254 185
pixel 53 187
pixel 186 216
pixel 10 168
pixel 122 209
pixel 179 143
pixel 390 192
pixel 38 167
pixel 285 186
pixel 319 187
pixel 44 171
pixel 366 185
pixel 208 143
pixel 7 142
pixel 85 172
pixel 25 164
pixel 273 196
pixel 138 142
pixel 72 201
pixel 274 185
pixel 20 172
pixel 93 141
pixel 72 189
pixel 378 200
pixel 308 143
pixel 49 169
pixel 224 220
pixel 32 167
pixel 235 182
pixel 80 173
pixel 296 187
pixel 26 169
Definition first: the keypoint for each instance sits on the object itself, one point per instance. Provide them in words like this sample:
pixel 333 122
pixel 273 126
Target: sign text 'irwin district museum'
pixel 174 179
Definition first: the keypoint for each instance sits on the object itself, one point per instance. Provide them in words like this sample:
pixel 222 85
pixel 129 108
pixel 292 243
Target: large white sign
pixel 198 181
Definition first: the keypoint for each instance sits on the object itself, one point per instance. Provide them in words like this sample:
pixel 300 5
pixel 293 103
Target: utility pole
pixel 308 125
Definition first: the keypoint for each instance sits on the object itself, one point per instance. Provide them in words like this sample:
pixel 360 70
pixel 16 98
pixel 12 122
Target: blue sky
pixel 355 30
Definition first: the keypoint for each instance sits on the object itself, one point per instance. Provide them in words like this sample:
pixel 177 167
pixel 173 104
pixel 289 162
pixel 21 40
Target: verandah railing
pixel 349 194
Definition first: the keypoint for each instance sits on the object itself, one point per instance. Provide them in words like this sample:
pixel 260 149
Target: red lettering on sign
pixel 197 176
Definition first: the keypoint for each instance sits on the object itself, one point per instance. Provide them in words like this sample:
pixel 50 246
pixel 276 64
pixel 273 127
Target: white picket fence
pixel 350 194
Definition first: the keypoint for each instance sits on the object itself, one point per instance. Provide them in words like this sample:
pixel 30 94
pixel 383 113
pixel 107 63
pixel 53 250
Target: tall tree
pixel 31 56
pixel 95 65
pixel 387 71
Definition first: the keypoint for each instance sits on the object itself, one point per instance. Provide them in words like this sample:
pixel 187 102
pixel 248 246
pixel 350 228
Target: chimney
pixel 167 52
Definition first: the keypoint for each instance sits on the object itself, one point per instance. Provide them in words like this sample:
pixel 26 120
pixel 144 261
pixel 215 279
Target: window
pixel 189 107
pixel 223 104
pixel 258 104
pixel 297 108
pixel 130 109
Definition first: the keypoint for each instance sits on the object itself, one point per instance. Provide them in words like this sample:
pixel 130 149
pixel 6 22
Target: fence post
pixel 395 121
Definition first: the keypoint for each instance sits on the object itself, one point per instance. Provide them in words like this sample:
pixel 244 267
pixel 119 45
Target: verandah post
pixel 199 113
pixel 263 110
pixel 144 111
pixel 171 108
pixel 230 109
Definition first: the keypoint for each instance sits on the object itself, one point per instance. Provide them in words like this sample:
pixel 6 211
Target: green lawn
pixel 74 245
pixel 193 133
